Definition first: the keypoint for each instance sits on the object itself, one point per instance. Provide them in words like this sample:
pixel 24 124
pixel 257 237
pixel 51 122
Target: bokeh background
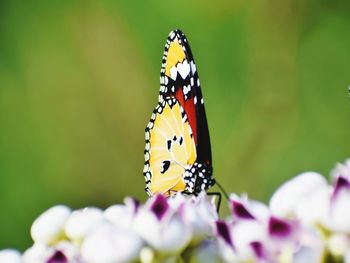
pixel 79 80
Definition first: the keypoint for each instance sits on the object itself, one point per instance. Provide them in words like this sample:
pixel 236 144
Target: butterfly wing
pixel 178 152
pixel 170 148
pixel 179 79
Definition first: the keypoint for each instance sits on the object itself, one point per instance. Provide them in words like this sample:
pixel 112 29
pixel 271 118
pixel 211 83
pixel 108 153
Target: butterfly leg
pixel 218 194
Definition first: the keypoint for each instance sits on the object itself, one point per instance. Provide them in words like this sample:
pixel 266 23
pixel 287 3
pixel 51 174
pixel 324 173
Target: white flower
pixel 111 244
pixel 247 232
pixel 249 240
pixel 253 234
pixel 294 192
pixel 306 219
pixel 163 228
pixel 122 215
pixel 314 209
pixel 310 246
pixel 243 208
pixel 48 227
pixel 199 212
pixel 10 256
pixel 341 169
pixel 225 240
pixel 202 215
pixel 81 222
pixel 339 214
pixel 37 253
pixel 61 252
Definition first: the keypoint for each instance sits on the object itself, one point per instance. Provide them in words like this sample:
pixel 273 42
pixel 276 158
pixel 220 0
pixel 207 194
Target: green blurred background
pixel 79 80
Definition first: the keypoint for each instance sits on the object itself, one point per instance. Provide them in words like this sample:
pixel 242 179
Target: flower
pixel 164 228
pixel 339 213
pixel 10 256
pixel 122 215
pixel 199 212
pixel 341 169
pixel 109 243
pixel 244 209
pixel 48 228
pixel 287 198
pixel 62 252
pixel 81 222
pixel 307 220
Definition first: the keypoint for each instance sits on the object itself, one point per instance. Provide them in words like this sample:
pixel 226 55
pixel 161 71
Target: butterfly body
pixel 177 152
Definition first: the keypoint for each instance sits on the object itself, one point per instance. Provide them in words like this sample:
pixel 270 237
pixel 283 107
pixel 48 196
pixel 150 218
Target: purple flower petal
pixel 258 249
pixel 58 257
pixel 223 231
pixel 340 183
pixel 160 206
pixel 239 210
pixel 279 228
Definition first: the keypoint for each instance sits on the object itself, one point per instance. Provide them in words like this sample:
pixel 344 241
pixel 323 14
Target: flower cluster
pixel 306 220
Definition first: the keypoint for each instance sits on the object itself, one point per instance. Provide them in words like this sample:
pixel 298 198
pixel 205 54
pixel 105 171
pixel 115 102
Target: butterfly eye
pixel 165 166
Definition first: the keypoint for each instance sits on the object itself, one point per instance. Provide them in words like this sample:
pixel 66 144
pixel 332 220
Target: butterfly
pixel 177 152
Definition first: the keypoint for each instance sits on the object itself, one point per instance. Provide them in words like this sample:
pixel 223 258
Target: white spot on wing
pixel 186 90
pixel 173 73
pixel 183 69
pixel 193 67
pixel 146 168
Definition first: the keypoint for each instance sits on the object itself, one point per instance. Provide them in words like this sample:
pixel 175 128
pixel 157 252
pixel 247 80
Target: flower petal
pixel 258 249
pixel 315 209
pixel 341 169
pixel 285 200
pixel 109 243
pixel 48 227
pixel 223 231
pixel 38 253
pixel 278 228
pixel 340 184
pixel 81 222
pixel 249 237
pixel 58 257
pixel 340 212
pixel 159 206
pixel 120 215
pixel 240 211
pixel 201 215
pixel 10 256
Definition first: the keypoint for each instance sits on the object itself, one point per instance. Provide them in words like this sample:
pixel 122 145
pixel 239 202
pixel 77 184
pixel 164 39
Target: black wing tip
pixel 176 33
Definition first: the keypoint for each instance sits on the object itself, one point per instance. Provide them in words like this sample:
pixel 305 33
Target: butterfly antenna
pixel 222 190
